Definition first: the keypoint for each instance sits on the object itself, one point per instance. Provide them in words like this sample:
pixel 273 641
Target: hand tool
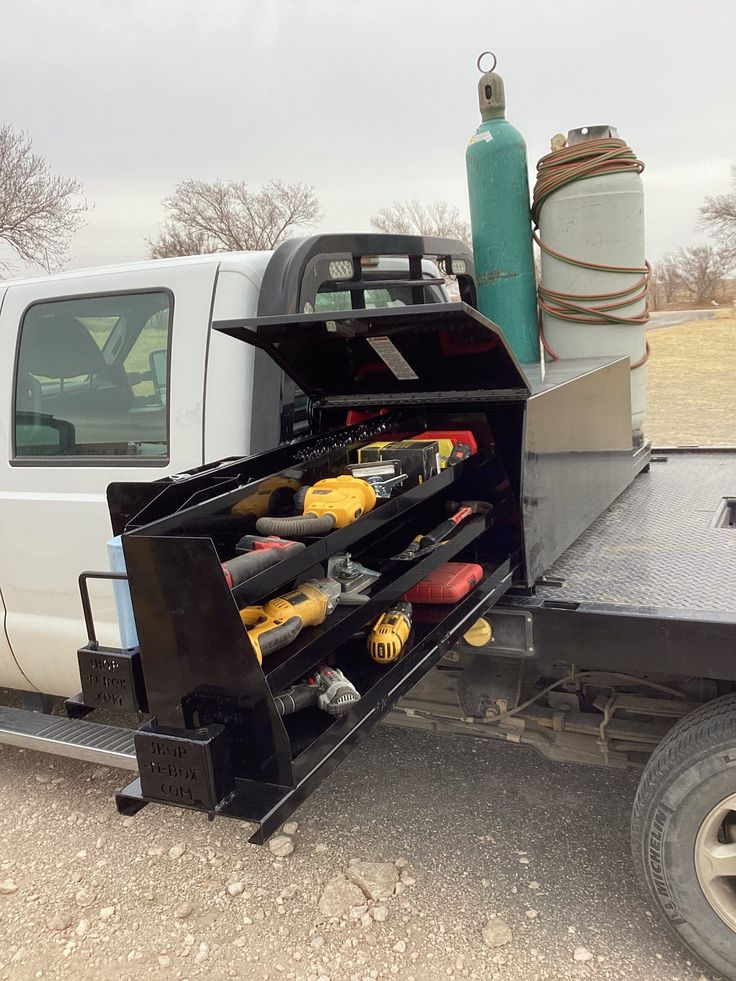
pixel 419 458
pixel 448 584
pixel 454 435
pixel 256 554
pixel 327 688
pixel 423 544
pixel 334 502
pixel 383 476
pixel 460 451
pixel 454 444
pixel 279 621
pixel 353 577
pixel 389 634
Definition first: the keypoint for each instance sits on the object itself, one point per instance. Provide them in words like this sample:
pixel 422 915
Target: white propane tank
pixel 597 219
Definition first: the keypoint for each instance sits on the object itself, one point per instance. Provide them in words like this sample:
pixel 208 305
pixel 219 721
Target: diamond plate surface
pixel 654 546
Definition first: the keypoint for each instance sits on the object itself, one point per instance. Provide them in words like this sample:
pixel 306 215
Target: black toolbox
pixel 215 740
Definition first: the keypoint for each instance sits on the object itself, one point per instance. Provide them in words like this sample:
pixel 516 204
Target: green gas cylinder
pixel 498 189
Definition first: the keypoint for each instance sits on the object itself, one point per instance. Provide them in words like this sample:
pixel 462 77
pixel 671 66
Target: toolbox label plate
pixel 180 770
pixel 108 680
pixel 393 358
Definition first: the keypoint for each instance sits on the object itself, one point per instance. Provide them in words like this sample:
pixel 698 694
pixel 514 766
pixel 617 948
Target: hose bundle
pixel 593 158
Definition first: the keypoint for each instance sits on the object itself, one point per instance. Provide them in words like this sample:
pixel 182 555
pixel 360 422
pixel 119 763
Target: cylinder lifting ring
pixel 481 56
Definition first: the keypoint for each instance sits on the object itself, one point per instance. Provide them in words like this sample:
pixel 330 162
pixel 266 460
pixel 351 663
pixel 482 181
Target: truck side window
pixel 91 377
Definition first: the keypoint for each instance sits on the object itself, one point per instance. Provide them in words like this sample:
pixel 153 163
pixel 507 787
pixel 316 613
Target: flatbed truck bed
pixel 660 544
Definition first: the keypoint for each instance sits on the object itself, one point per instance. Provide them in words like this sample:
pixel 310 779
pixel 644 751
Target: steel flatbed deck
pixel 659 544
pixel 651 585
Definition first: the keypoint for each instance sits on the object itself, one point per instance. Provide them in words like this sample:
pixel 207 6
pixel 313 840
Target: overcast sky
pixel 368 101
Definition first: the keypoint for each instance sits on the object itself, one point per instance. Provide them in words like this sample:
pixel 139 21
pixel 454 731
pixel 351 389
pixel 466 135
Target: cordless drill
pixel 279 621
pixel 327 688
pixel 389 634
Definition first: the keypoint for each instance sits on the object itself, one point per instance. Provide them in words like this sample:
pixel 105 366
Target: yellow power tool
pixel 390 632
pixel 274 494
pixel 334 502
pixel 279 621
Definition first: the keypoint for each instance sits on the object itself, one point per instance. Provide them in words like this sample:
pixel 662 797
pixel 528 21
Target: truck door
pixel 103 378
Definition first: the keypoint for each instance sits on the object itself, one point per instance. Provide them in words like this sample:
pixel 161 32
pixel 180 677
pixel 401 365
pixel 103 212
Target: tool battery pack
pixel 420 459
pixel 448 584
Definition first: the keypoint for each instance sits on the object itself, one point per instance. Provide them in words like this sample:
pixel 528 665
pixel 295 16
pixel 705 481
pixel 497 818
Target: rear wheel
pixel 684 832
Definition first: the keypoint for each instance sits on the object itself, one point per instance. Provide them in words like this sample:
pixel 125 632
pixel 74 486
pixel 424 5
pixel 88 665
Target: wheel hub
pixel 715 859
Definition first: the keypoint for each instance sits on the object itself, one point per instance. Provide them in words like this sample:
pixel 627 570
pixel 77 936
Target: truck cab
pixel 114 374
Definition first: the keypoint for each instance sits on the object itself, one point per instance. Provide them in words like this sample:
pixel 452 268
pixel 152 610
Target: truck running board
pixel 76 739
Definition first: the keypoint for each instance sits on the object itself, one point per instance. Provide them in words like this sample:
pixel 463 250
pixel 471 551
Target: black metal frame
pixel 215 741
pixel 632 639
pixel 212 704
pixel 269 803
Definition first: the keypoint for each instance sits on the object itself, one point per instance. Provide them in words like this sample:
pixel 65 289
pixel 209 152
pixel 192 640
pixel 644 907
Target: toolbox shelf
pixel 384 519
pixel 293 662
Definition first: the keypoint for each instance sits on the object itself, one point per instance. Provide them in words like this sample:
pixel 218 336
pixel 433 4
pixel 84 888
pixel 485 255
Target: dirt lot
pixel 488 832
pixel 690 378
pixel 479 833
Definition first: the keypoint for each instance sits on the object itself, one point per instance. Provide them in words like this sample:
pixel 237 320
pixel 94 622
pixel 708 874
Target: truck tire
pixel 683 832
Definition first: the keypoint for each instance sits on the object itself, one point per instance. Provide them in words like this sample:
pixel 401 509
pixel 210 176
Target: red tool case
pixel 448 584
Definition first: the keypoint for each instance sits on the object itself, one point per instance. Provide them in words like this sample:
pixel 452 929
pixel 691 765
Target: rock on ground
pixel 582 954
pixel 281 846
pixel 497 933
pixel 340 896
pixel 377 879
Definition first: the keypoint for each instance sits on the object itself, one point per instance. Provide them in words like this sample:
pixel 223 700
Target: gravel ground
pixel 480 833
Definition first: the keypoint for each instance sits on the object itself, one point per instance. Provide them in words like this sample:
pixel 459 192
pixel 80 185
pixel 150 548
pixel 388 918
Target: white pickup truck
pixel 114 374
pixel 598 623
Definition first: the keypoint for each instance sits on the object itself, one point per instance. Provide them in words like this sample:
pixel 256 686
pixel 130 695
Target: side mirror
pixel 158 362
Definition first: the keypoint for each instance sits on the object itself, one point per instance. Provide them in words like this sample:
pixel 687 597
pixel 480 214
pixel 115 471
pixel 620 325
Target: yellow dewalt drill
pixel 279 621
pixel 389 634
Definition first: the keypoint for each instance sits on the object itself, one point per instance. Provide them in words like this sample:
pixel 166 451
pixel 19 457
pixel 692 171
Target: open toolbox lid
pixel 428 352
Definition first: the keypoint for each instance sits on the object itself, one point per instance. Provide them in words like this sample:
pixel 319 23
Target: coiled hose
pixel 590 159
pixel 298 526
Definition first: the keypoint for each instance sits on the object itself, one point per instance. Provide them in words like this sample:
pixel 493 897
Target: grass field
pixel 691 381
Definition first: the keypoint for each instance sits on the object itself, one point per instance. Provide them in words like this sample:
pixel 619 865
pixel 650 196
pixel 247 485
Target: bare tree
pixel 703 270
pixel 39 211
pixel 411 217
pixel 224 216
pixel 665 281
pixel 718 215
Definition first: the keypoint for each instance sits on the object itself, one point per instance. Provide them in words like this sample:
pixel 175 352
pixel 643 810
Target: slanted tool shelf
pixel 215 741
pixel 208 696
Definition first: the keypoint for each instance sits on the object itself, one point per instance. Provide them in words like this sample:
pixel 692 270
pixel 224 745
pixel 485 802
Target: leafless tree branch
pixel 702 271
pixel 411 217
pixel 39 210
pixel 221 216
pixel 718 215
